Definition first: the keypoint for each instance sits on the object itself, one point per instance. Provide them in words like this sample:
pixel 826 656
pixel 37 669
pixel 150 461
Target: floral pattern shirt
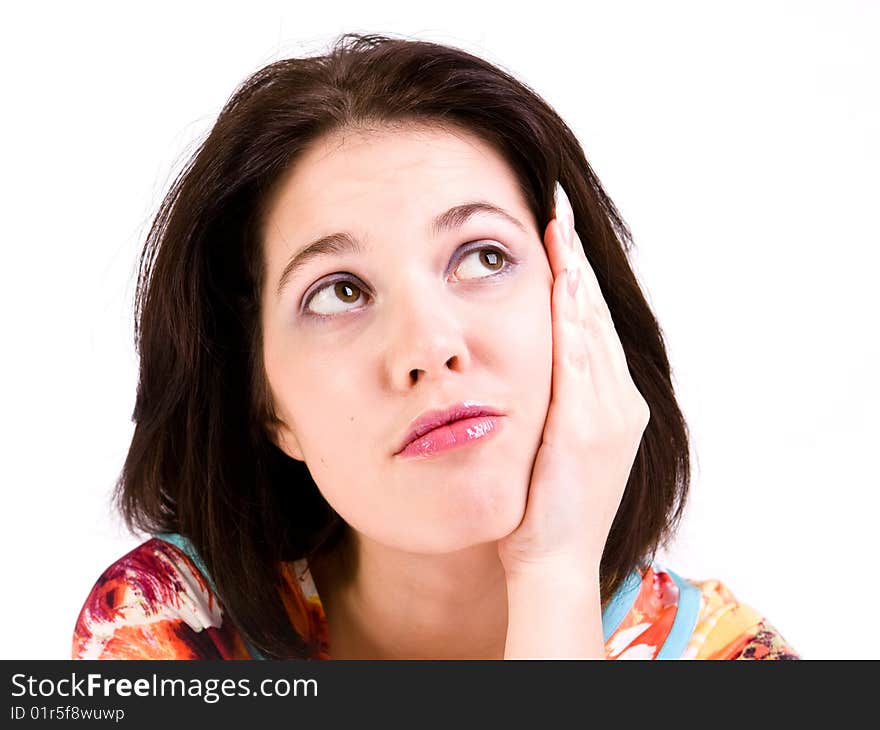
pixel 157 602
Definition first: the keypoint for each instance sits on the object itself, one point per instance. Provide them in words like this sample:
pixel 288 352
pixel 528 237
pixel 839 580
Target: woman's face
pixel 424 312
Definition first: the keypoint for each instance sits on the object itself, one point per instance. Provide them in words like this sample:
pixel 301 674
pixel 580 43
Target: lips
pixel 433 419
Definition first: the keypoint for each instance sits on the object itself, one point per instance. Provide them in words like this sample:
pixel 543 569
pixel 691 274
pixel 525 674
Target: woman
pixel 400 398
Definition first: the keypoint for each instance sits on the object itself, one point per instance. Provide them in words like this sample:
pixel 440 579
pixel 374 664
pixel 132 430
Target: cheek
pixel 319 396
pixel 323 398
pixel 528 330
pixel 338 439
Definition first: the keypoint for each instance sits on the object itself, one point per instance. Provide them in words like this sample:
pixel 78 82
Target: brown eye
pixel 476 263
pixel 346 292
pixel 492 259
pixel 332 298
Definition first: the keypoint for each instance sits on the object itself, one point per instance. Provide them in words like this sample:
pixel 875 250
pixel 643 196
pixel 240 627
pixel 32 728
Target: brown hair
pixel 201 461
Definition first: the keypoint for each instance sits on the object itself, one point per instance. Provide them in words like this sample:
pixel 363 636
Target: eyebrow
pixel 342 243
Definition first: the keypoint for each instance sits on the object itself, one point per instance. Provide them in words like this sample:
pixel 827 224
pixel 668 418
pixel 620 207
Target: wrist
pixel 554 612
pixel 564 586
pixel 556 571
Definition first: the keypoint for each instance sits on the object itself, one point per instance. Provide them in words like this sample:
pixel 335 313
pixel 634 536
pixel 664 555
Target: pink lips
pixel 441 430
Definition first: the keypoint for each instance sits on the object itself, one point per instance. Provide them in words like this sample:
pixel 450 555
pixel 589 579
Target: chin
pixel 481 516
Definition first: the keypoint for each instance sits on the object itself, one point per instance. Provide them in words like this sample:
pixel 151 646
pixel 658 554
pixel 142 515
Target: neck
pixel 383 603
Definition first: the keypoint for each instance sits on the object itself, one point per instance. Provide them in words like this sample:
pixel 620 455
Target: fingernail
pixel 574 278
pixel 564 213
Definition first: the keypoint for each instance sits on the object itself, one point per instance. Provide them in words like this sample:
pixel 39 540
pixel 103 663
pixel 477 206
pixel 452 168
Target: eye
pixel 333 297
pixel 487 258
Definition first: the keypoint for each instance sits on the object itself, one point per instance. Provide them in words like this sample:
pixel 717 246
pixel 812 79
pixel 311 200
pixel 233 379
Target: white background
pixel 739 140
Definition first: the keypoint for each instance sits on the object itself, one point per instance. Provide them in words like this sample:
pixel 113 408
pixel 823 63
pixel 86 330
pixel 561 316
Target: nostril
pixel 415 373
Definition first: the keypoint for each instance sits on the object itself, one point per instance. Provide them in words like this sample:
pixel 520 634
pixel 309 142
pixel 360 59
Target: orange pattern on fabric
pixel 647 624
pixel 153 603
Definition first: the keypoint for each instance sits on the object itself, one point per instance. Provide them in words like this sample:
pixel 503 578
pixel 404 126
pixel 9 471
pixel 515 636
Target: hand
pixel 595 422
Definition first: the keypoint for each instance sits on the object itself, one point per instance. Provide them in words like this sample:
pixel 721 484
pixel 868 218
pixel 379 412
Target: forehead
pixel 353 179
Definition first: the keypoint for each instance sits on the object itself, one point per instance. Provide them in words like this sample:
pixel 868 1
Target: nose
pixel 426 339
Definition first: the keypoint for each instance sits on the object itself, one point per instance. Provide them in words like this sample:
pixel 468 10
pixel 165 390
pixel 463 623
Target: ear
pixel 285 439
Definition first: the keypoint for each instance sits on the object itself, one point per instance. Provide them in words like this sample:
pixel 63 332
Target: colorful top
pixel 157 602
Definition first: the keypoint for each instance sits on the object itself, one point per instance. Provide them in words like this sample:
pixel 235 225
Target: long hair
pixel 201 461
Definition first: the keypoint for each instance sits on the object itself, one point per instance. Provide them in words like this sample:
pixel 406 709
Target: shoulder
pixel 728 628
pixel 153 603
pixel 666 616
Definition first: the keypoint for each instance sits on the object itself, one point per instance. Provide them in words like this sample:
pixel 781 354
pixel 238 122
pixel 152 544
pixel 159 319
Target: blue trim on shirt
pixel 620 604
pixel 186 546
pixel 686 615
pixel 179 541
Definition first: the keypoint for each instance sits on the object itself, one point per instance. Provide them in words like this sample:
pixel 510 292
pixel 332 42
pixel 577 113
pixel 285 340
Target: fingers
pixel 570 347
pixel 586 308
pixel 575 256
